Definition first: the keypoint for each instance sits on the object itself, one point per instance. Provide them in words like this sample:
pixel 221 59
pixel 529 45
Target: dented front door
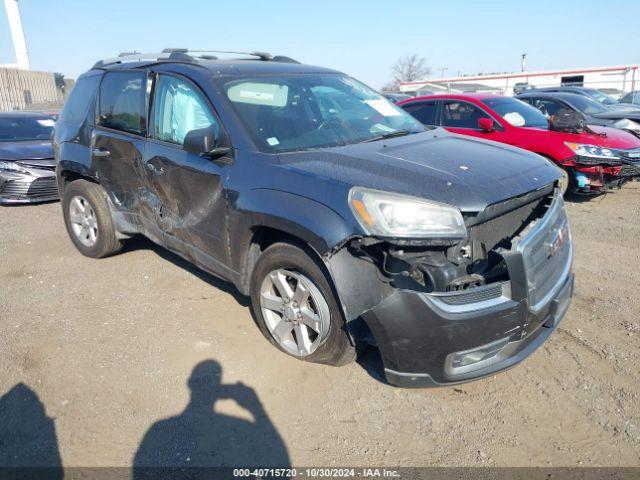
pixel 186 190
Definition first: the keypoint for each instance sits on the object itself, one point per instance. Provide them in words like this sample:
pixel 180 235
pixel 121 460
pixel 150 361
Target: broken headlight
pixel 592 151
pixel 393 215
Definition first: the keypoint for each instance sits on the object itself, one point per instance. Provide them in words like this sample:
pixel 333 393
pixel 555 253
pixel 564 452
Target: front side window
pixel 517 112
pixel 179 107
pixel 425 112
pixel 458 114
pixel 300 112
pixel 122 101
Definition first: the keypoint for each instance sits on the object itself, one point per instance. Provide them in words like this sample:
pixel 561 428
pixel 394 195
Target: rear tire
pixel 296 309
pixel 88 219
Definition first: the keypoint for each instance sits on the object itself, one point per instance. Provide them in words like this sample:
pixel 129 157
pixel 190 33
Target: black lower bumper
pixel 20 189
pixel 420 343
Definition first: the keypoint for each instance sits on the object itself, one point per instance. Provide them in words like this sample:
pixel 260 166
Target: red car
pixel 606 158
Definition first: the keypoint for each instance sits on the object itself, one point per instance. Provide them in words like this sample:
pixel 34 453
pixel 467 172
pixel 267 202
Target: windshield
pixel 516 112
pixel 18 128
pixel 300 112
pixel 587 106
pixel 600 97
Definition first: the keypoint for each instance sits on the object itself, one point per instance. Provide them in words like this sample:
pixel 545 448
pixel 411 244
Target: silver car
pixel 27 166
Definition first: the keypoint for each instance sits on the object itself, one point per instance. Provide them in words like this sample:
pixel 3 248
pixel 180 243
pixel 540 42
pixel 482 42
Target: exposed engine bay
pixel 449 266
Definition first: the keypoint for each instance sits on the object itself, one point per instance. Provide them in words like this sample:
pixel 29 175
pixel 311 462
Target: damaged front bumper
pixel 440 338
pixel 425 342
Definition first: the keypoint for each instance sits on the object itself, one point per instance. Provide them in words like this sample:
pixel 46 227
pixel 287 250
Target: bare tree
pixel 409 69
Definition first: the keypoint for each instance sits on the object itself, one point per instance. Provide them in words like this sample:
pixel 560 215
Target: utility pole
pixel 524 62
pixel 442 70
pixel 17 34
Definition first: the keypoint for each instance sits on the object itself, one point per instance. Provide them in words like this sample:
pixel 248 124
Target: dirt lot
pixel 108 347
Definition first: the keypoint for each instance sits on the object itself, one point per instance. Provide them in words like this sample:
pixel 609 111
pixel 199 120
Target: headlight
pixel 591 151
pixel 627 124
pixel 12 167
pixel 394 215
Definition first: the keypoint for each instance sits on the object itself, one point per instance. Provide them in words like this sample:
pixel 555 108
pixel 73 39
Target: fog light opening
pixel 478 354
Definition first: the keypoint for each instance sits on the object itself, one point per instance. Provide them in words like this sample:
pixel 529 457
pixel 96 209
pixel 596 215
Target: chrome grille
pixel 547 259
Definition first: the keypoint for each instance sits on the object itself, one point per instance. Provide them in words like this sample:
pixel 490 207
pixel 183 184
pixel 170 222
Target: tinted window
pixel 22 128
pixel 179 108
pixel 461 114
pixel 547 107
pixel 81 98
pixel 122 101
pixel 516 112
pixel 588 106
pixel 425 112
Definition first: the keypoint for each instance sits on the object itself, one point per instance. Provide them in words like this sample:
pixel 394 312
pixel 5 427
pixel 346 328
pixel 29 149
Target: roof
pixel 456 96
pixel 265 64
pixel 568 96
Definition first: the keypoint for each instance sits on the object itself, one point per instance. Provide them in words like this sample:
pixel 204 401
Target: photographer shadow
pixel 195 443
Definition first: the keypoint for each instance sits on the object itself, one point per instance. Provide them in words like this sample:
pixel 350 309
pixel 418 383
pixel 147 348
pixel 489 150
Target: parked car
pixel 631 98
pixel 549 103
pixel 27 166
pixel 592 93
pixel 590 161
pixel 395 97
pixel 452 255
pixel 520 87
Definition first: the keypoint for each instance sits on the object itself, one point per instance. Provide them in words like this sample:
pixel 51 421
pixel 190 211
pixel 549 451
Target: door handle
pixel 99 152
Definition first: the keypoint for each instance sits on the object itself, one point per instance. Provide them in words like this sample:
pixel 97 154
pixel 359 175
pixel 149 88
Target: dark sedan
pixel 27 166
pixel 594 113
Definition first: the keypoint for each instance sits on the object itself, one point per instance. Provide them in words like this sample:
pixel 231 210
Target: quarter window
pixel 122 101
pixel 179 108
pixel 461 115
pixel 425 112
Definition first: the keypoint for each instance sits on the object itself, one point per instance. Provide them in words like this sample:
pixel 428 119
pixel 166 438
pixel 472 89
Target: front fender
pixel 317 224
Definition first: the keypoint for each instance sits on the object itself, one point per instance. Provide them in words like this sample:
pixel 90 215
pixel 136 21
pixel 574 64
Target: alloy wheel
pixel 84 222
pixel 295 312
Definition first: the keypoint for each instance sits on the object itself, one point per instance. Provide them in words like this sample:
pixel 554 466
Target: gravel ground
pixel 108 347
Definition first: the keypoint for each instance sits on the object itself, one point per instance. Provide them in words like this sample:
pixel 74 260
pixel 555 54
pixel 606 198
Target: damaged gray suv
pixel 343 219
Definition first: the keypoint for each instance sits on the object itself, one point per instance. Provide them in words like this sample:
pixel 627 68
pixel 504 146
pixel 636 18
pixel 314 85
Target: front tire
pixel 296 309
pixel 88 219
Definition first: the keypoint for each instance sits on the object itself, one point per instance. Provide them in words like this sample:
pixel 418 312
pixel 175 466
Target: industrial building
pixel 614 80
pixel 20 87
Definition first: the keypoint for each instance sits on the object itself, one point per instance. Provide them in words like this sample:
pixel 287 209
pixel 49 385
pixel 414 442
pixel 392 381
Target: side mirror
pixel 486 124
pixel 203 142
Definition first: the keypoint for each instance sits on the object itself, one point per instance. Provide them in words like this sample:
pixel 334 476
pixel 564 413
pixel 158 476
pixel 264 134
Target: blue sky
pixel 362 38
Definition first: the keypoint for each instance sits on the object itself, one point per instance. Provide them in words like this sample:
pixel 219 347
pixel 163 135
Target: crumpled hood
pixel 29 150
pixel 458 170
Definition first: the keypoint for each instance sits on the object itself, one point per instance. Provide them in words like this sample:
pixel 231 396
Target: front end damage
pixel 444 312
pixel 596 175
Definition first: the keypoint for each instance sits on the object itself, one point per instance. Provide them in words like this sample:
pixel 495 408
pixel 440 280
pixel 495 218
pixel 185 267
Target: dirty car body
pixel 27 166
pixel 297 163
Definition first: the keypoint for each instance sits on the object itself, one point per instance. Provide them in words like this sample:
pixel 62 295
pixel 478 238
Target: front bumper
pixel 431 339
pixel 418 341
pixel 32 187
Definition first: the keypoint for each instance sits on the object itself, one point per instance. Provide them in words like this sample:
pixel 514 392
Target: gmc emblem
pixel 560 239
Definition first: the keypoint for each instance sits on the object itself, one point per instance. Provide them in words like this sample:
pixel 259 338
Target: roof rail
pixel 184 55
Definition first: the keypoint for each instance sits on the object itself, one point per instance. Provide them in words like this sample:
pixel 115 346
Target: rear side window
pixel 425 112
pixel 122 101
pixel 82 96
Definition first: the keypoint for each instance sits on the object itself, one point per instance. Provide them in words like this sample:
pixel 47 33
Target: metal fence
pixel 26 89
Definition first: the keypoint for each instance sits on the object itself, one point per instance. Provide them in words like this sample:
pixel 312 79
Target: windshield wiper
pixel 397 133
